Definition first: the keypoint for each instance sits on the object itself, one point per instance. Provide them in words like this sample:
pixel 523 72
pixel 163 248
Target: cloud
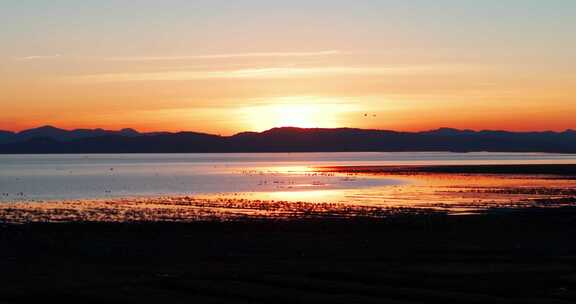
pixel 270 73
pixel 38 57
pixel 227 56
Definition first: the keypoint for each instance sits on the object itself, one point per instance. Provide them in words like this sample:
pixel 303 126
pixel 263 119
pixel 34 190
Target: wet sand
pixel 508 257
pixel 504 254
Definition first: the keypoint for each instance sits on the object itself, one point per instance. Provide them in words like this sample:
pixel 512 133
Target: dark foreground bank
pixel 524 256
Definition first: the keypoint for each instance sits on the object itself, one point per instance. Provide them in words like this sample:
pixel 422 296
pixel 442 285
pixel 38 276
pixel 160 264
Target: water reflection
pixel 185 188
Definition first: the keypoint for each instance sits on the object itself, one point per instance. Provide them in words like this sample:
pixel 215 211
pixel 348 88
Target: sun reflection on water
pixel 455 194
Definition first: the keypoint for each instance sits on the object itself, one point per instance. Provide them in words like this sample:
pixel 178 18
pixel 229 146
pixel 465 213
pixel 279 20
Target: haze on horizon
pixel 228 66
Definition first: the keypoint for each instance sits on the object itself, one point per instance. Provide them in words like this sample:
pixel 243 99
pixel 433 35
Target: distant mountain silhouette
pixel 49 139
pixel 6 136
pixel 61 134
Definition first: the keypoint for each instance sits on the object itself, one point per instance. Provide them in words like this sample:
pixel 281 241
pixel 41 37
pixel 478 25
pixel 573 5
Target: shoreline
pixel 504 254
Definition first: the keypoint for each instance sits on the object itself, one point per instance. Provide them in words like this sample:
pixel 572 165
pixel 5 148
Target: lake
pixel 289 176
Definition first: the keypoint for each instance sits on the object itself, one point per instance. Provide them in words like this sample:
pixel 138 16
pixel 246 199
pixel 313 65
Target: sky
pixel 229 66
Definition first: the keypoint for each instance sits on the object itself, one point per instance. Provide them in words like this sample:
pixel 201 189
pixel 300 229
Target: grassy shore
pixel 520 256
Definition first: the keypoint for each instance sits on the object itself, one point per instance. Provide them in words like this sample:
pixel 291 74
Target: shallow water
pixel 277 176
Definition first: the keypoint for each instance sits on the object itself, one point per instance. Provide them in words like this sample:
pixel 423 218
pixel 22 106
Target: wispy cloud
pixel 227 56
pixel 38 57
pixel 270 73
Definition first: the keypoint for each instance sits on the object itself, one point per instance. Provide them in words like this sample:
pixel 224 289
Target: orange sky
pixel 254 66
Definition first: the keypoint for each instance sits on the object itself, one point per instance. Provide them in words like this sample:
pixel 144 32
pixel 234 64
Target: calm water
pixel 278 176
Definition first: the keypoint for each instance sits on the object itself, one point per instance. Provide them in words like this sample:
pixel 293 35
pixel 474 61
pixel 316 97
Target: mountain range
pixel 50 139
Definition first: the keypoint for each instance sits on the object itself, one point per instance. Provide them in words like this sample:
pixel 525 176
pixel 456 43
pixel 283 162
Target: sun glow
pixel 301 112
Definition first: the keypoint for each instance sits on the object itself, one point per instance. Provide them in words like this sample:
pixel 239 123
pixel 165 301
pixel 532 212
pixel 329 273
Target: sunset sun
pixel 297 111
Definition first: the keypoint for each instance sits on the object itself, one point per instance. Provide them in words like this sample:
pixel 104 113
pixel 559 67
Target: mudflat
pixel 521 256
pixel 559 170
